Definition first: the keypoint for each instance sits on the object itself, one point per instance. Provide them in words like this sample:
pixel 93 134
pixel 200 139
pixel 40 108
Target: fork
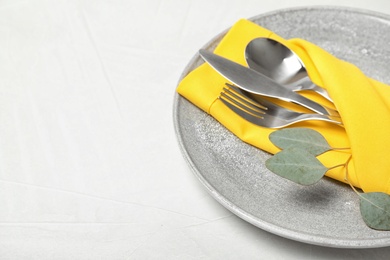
pixel 263 112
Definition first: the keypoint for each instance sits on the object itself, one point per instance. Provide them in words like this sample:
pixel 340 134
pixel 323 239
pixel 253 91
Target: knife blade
pixel 257 83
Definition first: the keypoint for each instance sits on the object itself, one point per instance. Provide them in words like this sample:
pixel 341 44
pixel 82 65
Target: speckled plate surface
pixel 326 213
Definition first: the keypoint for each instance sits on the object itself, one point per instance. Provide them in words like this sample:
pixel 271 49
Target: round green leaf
pixel 303 138
pixel 297 165
pixel 375 210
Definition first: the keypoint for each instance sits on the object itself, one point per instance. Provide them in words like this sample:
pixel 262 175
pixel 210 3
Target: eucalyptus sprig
pixel 297 161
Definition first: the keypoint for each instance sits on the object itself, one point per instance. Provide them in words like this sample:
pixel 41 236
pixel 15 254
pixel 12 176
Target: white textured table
pixel 90 167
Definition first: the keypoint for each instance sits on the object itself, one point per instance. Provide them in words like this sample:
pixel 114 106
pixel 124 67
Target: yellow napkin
pixel 363 103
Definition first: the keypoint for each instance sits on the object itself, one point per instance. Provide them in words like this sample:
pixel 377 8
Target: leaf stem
pixel 355 190
pixel 339 165
pixel 340 148
pixel 336 149
pixel 346 176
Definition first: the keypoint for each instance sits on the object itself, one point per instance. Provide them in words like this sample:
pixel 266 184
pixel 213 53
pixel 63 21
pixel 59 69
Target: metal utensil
pixel 256 83
pixel 281 64
pixel 263 112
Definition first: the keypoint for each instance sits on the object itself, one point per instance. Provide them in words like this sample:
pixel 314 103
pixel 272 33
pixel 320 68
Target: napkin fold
pixel 363 103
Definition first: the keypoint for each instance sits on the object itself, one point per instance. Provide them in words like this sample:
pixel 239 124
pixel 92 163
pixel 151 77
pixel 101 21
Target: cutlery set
pixel 275 72
pixel 263 112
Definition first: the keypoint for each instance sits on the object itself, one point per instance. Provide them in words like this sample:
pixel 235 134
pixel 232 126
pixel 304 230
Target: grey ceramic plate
pixel 233 172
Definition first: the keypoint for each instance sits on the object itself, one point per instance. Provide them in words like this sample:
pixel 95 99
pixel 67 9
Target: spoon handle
pixel 322 92
pixel 309 85
pixel 305 83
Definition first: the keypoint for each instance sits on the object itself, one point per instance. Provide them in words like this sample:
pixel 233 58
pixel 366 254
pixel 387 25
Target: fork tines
pixel 232 96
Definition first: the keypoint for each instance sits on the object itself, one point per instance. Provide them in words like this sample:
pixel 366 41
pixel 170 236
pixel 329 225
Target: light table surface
pixel 90 167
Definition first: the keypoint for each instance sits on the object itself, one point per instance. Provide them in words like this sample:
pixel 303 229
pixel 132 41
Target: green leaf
pixel 303 138
pixel 297 165
pixel 375 210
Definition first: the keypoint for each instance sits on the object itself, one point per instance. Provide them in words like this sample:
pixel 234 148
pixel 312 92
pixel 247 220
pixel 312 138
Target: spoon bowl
pixel 281 64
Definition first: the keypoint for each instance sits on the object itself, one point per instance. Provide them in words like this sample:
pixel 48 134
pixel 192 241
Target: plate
pixel 326 213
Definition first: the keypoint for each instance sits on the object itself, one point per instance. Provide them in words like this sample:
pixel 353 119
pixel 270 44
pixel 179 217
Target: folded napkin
pixel 363 103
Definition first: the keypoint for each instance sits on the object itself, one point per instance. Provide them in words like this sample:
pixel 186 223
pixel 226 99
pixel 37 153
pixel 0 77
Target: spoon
pixel 281 64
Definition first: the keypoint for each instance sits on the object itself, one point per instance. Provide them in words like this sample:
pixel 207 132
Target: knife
pixel 257 83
